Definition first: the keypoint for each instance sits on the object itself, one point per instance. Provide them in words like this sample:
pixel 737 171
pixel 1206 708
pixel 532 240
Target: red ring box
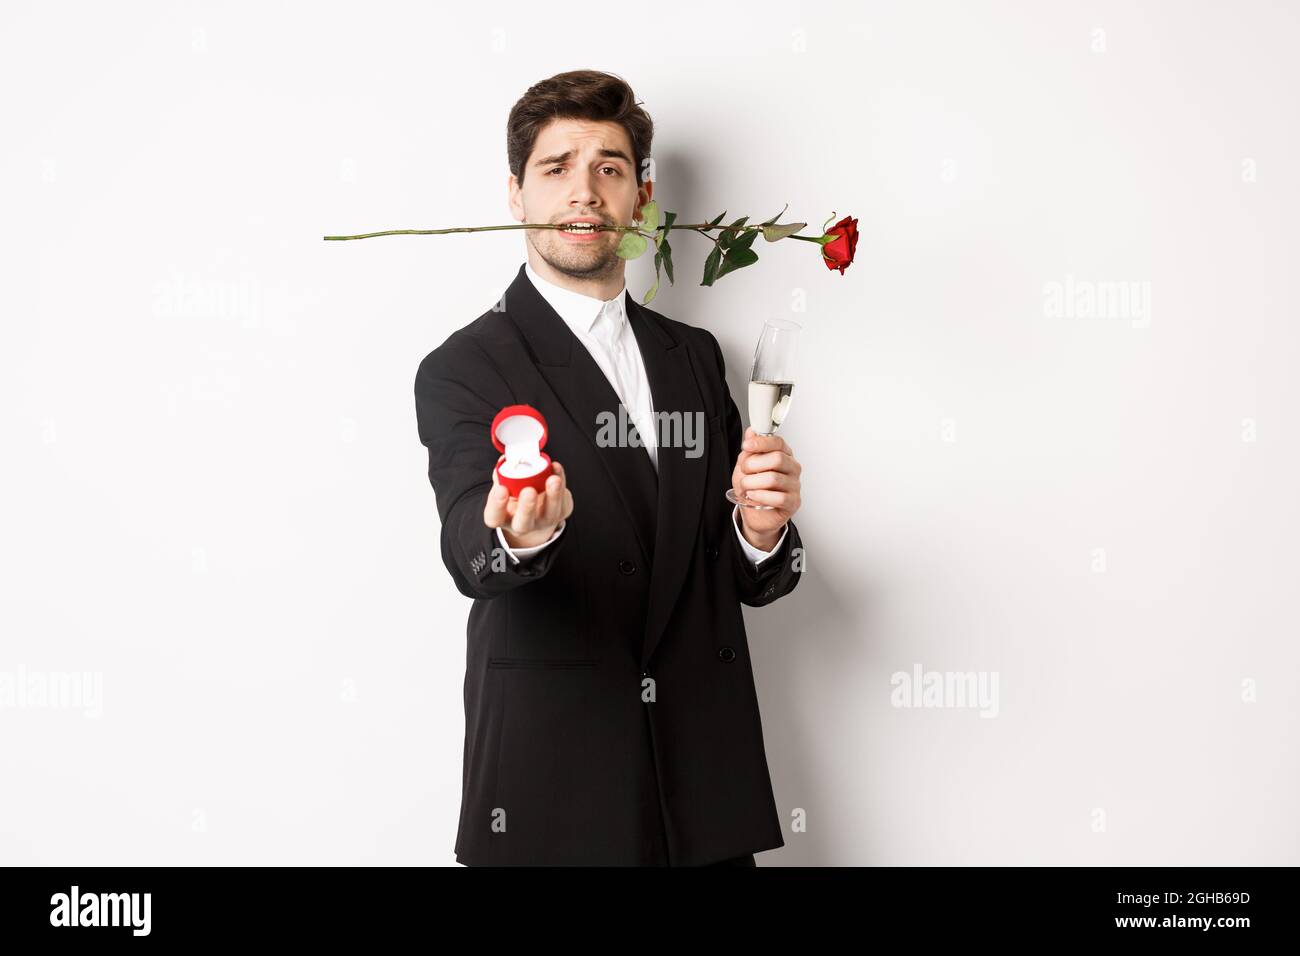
pixel 519 432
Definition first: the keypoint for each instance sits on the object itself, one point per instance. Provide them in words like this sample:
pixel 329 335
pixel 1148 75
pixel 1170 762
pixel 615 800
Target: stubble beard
pixel 595 260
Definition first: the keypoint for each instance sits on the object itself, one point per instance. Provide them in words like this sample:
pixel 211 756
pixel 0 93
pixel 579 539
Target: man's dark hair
pixel 579 94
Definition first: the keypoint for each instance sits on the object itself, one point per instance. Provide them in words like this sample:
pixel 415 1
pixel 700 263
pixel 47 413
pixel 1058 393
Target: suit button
pixel 627 567
pixel 727 655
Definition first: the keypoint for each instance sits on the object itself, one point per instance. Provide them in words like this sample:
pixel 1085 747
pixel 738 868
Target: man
pixel 610 710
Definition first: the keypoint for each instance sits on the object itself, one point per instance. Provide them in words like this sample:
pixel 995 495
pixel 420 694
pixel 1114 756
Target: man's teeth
pixel 581 227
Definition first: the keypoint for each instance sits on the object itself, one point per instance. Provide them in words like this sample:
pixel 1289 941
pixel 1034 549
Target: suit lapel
pixel 673 388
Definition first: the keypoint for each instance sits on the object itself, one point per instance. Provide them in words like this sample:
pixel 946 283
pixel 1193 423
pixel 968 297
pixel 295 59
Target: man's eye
pixel 557 169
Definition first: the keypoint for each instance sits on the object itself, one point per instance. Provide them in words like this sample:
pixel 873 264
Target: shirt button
pixel 627 567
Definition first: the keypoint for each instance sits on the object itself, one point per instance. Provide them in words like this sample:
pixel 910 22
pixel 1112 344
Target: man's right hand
pixel 532 518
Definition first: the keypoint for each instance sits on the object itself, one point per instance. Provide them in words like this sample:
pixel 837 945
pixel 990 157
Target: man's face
pixel 579 169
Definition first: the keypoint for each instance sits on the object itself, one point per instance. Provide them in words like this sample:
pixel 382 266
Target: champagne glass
pixel 771 382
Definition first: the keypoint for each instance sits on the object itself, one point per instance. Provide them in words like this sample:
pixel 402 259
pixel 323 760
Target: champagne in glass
pixel 771 383
pixel 768 402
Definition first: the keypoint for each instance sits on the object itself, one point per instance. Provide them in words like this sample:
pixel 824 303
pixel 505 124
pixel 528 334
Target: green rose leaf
pixel 650 216
pixel 631 245
pixel 654 288
pixel 773 233
pixel 736 258
pixel 744 242
pixel 729 233
pixel 711 265
pixel 661 236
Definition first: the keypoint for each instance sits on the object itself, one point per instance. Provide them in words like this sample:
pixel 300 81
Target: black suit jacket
pixel 566 759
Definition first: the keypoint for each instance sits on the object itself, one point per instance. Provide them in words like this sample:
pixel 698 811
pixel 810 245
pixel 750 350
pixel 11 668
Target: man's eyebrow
pixel 564 157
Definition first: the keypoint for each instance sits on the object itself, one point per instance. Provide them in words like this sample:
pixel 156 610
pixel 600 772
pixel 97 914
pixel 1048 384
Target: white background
pixel 215 499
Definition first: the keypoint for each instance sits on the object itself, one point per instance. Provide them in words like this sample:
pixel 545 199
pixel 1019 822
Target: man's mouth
pixel 580 231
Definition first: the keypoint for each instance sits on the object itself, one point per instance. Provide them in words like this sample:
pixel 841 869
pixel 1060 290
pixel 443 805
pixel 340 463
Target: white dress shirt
pixel 602 327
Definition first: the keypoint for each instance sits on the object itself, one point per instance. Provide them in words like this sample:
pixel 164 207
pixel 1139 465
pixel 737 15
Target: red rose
pixel 838 253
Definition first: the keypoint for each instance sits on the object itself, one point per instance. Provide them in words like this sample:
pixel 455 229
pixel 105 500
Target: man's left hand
pixel 767 470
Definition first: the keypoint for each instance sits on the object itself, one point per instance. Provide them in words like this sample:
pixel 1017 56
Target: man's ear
pixel 514 196
pixel 645 195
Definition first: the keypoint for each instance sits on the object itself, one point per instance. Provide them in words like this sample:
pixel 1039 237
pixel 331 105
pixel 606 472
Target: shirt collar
pixel 579 311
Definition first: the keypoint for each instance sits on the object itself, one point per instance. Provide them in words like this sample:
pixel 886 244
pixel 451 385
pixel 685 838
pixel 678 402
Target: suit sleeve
pixel 458 392
pixel 778 575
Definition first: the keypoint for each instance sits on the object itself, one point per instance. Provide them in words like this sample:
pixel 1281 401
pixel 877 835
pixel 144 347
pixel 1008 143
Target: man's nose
pixel 583 189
